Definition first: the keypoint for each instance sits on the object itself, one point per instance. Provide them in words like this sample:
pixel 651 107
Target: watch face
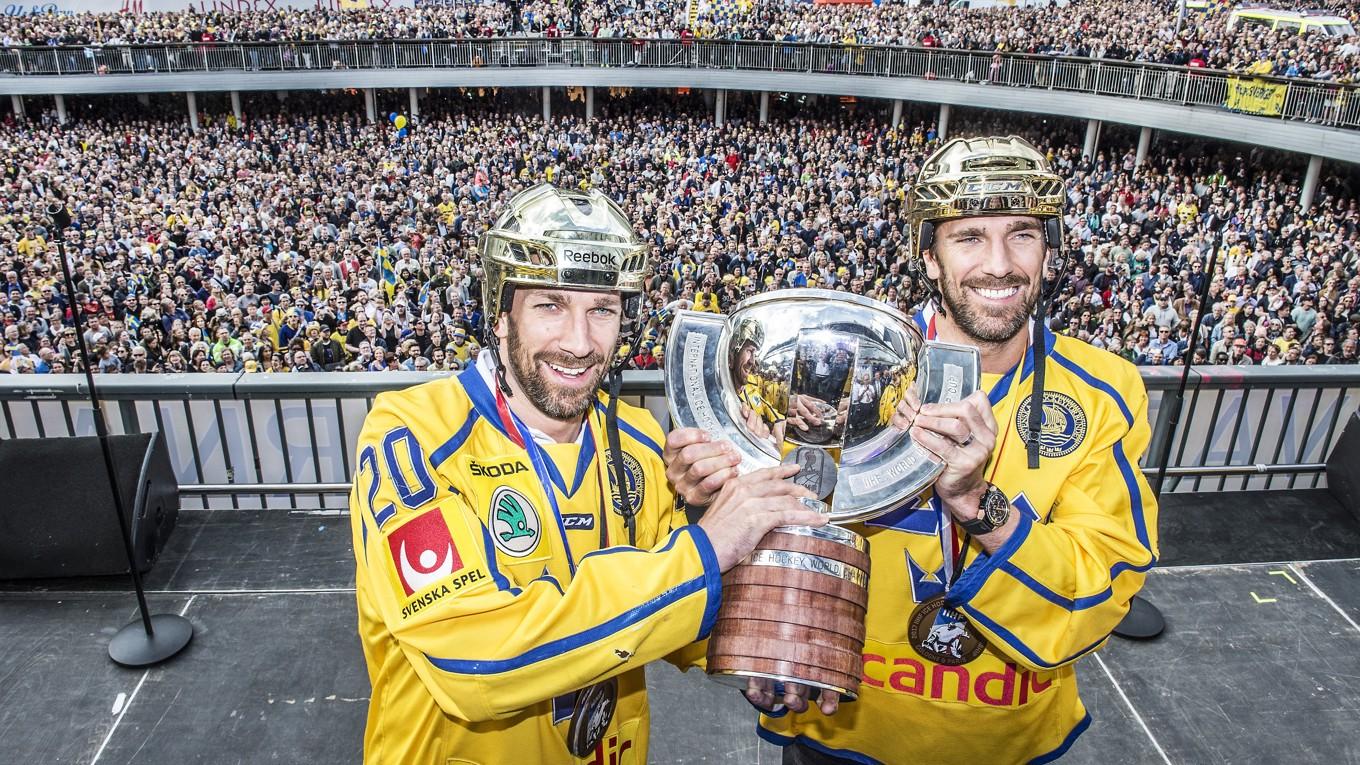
pixel 995 507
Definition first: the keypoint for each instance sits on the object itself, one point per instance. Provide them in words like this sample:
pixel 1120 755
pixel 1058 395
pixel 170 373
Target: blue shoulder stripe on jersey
pixel 572 642
pixel 781 740
pixel 1067 743
pixel 712 574
pixel 632 432
pixel 1094 382
pixel 455 442
pixel 980 570
pixel 1010 639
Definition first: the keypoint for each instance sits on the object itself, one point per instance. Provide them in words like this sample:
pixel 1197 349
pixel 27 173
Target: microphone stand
pixel 1144 620
pixel 156 638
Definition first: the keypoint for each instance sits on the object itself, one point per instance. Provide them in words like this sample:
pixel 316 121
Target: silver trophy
pixel 824 370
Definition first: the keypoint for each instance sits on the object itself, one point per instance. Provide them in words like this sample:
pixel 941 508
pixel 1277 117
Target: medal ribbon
pixel 519 433
pixel 953 544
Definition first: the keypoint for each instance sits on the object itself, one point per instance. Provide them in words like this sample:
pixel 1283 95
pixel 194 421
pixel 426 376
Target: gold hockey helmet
pixel 551 237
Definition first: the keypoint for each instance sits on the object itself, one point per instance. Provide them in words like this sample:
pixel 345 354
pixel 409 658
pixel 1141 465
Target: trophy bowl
pixel 823 372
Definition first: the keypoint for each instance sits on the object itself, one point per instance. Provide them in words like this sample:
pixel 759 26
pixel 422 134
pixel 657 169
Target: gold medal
pixel 942 635
pixel 591 715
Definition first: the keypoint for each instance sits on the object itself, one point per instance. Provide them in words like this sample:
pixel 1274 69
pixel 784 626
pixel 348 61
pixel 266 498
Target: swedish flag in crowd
pixel 388 271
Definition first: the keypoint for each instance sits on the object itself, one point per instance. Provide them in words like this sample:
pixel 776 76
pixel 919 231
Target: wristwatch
pixel 994 509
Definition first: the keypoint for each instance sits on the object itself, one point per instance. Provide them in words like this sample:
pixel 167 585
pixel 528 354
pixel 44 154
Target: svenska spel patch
pixel 423 551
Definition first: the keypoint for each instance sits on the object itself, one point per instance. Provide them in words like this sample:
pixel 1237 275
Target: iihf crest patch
pixel 423 551
pixel 1062 428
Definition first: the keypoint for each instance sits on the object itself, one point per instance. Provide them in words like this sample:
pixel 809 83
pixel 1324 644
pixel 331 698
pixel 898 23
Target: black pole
pixel 126 647
pixel 1144 621
pixel 1174 418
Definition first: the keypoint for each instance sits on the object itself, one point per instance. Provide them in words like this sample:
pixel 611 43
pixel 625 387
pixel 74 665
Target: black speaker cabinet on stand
pixel 55 519
pixel 1343 467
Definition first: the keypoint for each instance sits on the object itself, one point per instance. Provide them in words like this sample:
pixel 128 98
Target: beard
pixel 554 401
pixel 977 321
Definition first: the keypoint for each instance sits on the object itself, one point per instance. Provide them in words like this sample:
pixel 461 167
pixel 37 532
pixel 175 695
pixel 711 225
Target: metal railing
pixel 287 441
pixel 1310 100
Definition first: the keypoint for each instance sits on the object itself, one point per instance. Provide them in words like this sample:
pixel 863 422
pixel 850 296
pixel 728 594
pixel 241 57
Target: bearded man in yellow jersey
pixel 1027 550
pixel 518 550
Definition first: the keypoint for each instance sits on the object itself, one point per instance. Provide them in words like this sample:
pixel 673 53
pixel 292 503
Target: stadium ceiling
pixel 1208 122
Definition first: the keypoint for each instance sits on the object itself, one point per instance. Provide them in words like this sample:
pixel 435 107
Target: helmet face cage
pixel 550 237
pixel 969 178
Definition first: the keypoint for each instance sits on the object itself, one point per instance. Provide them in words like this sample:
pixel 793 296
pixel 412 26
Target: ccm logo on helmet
pixel 589 258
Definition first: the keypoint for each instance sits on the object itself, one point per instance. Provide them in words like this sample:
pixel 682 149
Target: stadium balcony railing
pixel 287 441
pixel 1324 103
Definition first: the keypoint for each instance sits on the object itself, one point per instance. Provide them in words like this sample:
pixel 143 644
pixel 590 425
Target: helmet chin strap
pixel 614 382
pixel 1036 401
pixel 493 348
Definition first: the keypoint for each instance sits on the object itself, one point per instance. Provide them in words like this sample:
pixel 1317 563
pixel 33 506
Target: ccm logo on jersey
pixel 588 258
pixel 498 469
pixel 427 561
pixel 578 521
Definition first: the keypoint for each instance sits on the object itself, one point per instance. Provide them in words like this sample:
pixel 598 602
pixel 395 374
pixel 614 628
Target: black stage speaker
pixel 1343 467
pixel 56 510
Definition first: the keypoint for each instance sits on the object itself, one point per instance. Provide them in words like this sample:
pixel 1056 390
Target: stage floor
pixel 1258 664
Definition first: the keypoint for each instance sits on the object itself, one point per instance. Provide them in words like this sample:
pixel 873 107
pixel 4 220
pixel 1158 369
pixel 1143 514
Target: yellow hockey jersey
pixel 986 672
pixel 485 599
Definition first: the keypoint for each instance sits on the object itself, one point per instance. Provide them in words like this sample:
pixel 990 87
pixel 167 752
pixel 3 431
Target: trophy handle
pixel 699 388
pixel 947 372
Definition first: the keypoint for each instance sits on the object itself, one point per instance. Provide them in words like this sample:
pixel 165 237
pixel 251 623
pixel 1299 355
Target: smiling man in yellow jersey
pixel 519 556
pixel 988 588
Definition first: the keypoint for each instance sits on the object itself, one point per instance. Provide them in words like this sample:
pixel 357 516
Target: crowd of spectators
pixel 263 246
pixel 1136 30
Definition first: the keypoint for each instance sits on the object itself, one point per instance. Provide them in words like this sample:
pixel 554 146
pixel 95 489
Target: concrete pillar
pixel 897 113
pixel 720 108
pixel 547 104
pixel 590 104
pixel 942 125
pixel 415 102
pixel 144 99
pixel 1310 182
pixel 17 101
pixel 61 108
pixel 1092 134
pixel 764 106
pixel 236 106
pixel 192 100
pixel 1144 143
pixel 370 105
